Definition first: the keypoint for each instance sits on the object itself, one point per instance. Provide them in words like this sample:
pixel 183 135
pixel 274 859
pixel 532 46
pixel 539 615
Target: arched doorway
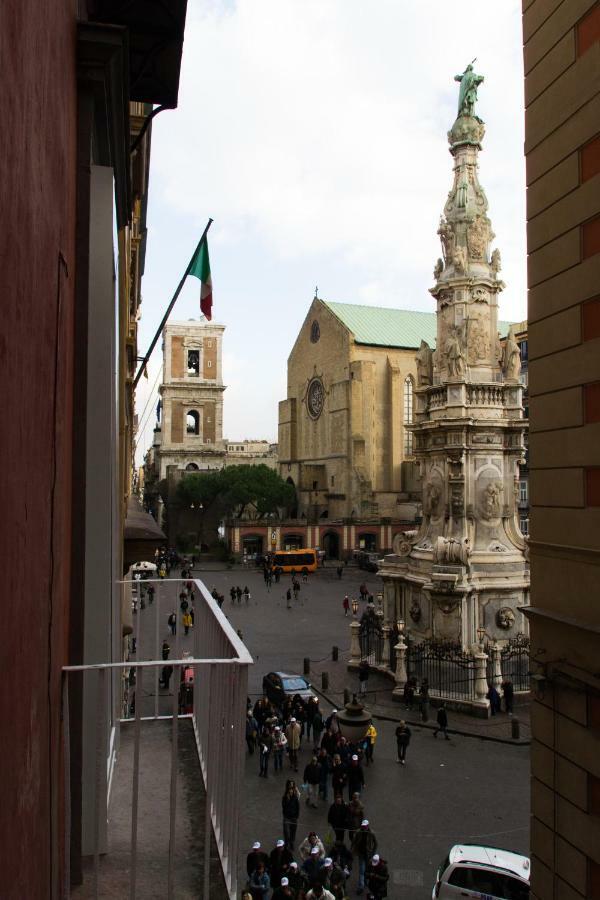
pixel 331 544
pixel 191 467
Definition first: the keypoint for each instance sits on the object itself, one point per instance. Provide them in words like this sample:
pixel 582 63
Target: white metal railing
pixel 220 664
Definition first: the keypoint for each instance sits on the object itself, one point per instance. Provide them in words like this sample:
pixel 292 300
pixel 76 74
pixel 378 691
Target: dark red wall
pixel 37 241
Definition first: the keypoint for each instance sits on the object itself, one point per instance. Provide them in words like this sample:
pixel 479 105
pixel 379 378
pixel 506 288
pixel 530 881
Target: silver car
pixel 487 873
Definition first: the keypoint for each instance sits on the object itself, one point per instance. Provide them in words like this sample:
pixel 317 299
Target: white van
pixel 483 872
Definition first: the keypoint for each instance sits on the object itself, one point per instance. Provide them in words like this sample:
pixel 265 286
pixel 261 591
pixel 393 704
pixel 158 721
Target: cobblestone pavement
pixel 464 789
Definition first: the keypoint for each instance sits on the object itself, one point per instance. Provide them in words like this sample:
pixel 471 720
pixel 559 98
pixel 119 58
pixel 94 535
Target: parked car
pixel 483 872
pixel 279 685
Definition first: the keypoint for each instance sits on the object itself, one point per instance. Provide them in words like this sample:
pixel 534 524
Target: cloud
pixel 315 132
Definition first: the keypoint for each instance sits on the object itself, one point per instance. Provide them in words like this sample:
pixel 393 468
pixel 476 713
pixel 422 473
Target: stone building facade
pixel 343 439
pixel 562 146
pixel 463 576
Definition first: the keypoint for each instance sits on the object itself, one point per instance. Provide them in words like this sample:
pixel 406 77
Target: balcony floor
pixel 153 821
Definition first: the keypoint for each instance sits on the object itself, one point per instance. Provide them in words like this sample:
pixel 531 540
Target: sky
pixel 313 132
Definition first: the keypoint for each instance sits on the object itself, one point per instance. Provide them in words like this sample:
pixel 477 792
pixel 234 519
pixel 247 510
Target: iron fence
pixel 371 641
pixel 514 658
pixel 449 670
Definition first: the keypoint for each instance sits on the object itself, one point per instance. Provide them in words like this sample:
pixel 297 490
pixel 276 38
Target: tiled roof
pixel 384 327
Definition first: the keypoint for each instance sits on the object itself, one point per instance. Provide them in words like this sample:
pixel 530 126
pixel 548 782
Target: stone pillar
pixel 481 687
pixel 400 674
pixel 354 643
pixel 496 666
pixel 385 657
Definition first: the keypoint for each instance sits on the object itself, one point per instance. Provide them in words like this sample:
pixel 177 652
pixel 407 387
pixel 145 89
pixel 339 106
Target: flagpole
pixel 170 308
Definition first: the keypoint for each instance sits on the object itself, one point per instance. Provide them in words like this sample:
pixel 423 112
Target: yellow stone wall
pixel 348 460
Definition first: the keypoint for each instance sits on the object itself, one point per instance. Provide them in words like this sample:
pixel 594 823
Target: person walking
pixel 402 741
pixel 312 778
pixel 232 594
pixel 325 768
pixel 265 746
pixel 363 676
pixel 165 677
pixel 254 857
pixel 317 727
pixel 339 776
pixel 338 818
pixel 356 814
pixel 238 594
pixel 259 883
pixel 290 808
pixel 246 594
pixel 370 738
pixel 187 622
pixel 150 593
pixel 442 720
pixel 288 598
pixel 409 693
pixel 172 622
pixel 279 862
pixel 166 649
pixel 251 732
pixel 356 777
pixel 279 745
pixel 346 604
pixel 364 847
pixel 495 703
pixel 293 733
pixel 508 693
pixel 424 700
pixel 377 877
pixel 340 572
pixel 311 842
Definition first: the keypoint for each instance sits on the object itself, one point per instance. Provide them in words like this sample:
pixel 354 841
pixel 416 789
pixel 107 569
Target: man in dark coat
pixel 402 741
pixel 508 692
pixel 364 846
pixel 356 778
pixel 312 777
pixel 279 862
pixel 338 817
pixel 377 877
pixel 255 856
pixel 442 720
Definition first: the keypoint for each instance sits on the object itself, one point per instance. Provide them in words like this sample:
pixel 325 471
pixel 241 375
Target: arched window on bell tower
pixel 192 422
pixel 408 415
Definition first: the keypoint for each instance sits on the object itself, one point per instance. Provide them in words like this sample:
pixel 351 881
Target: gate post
pixel 385 656
pixel 496 666
pixel 354 643
pixel 481 687
pixel 400 674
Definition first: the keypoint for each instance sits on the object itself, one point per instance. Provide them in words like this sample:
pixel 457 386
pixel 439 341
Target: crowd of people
pixel 333 778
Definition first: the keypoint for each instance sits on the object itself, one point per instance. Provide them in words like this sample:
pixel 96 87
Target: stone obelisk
pixel 464 574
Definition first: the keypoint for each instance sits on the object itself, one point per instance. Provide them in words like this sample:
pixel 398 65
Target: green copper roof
pixel 384 327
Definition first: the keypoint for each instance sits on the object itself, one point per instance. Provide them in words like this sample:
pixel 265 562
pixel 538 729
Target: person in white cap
pixel 279 745
pixel 377 877
pixel 356 777
pixel 255 856
pixel 293 734
pixel 284 890
pixel 279 862
pixel 297 880
pixel 364 846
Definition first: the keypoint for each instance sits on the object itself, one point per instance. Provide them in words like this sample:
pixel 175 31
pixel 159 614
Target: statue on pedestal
pixel 424 360
pixel 455 358
pixel 511 357
pixel 467 96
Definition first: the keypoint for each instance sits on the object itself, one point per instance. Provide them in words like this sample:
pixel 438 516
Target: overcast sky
pixel 313 132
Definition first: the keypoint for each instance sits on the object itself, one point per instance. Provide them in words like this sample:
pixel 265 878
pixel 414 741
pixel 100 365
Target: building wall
pixel 562 143
pixel 348 461
pixel 37 198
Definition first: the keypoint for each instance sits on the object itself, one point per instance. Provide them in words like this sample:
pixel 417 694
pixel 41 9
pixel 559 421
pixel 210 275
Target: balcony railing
pixel 119 696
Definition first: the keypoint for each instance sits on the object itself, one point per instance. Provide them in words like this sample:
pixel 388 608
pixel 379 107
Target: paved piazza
pixel 450 791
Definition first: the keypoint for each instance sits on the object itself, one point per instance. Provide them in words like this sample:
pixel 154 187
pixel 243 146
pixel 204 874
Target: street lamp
pixel 354 721
pixel 481 635
pixel 354 607
pixel 400 625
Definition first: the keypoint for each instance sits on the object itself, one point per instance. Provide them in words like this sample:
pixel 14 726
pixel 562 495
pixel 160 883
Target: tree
pixel 235 488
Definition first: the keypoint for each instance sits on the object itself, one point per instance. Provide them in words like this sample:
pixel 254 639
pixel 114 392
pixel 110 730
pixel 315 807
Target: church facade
pixel 343 436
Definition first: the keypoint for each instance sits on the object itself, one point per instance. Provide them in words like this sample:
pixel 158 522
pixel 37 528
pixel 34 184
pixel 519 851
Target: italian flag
pixel 200 268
